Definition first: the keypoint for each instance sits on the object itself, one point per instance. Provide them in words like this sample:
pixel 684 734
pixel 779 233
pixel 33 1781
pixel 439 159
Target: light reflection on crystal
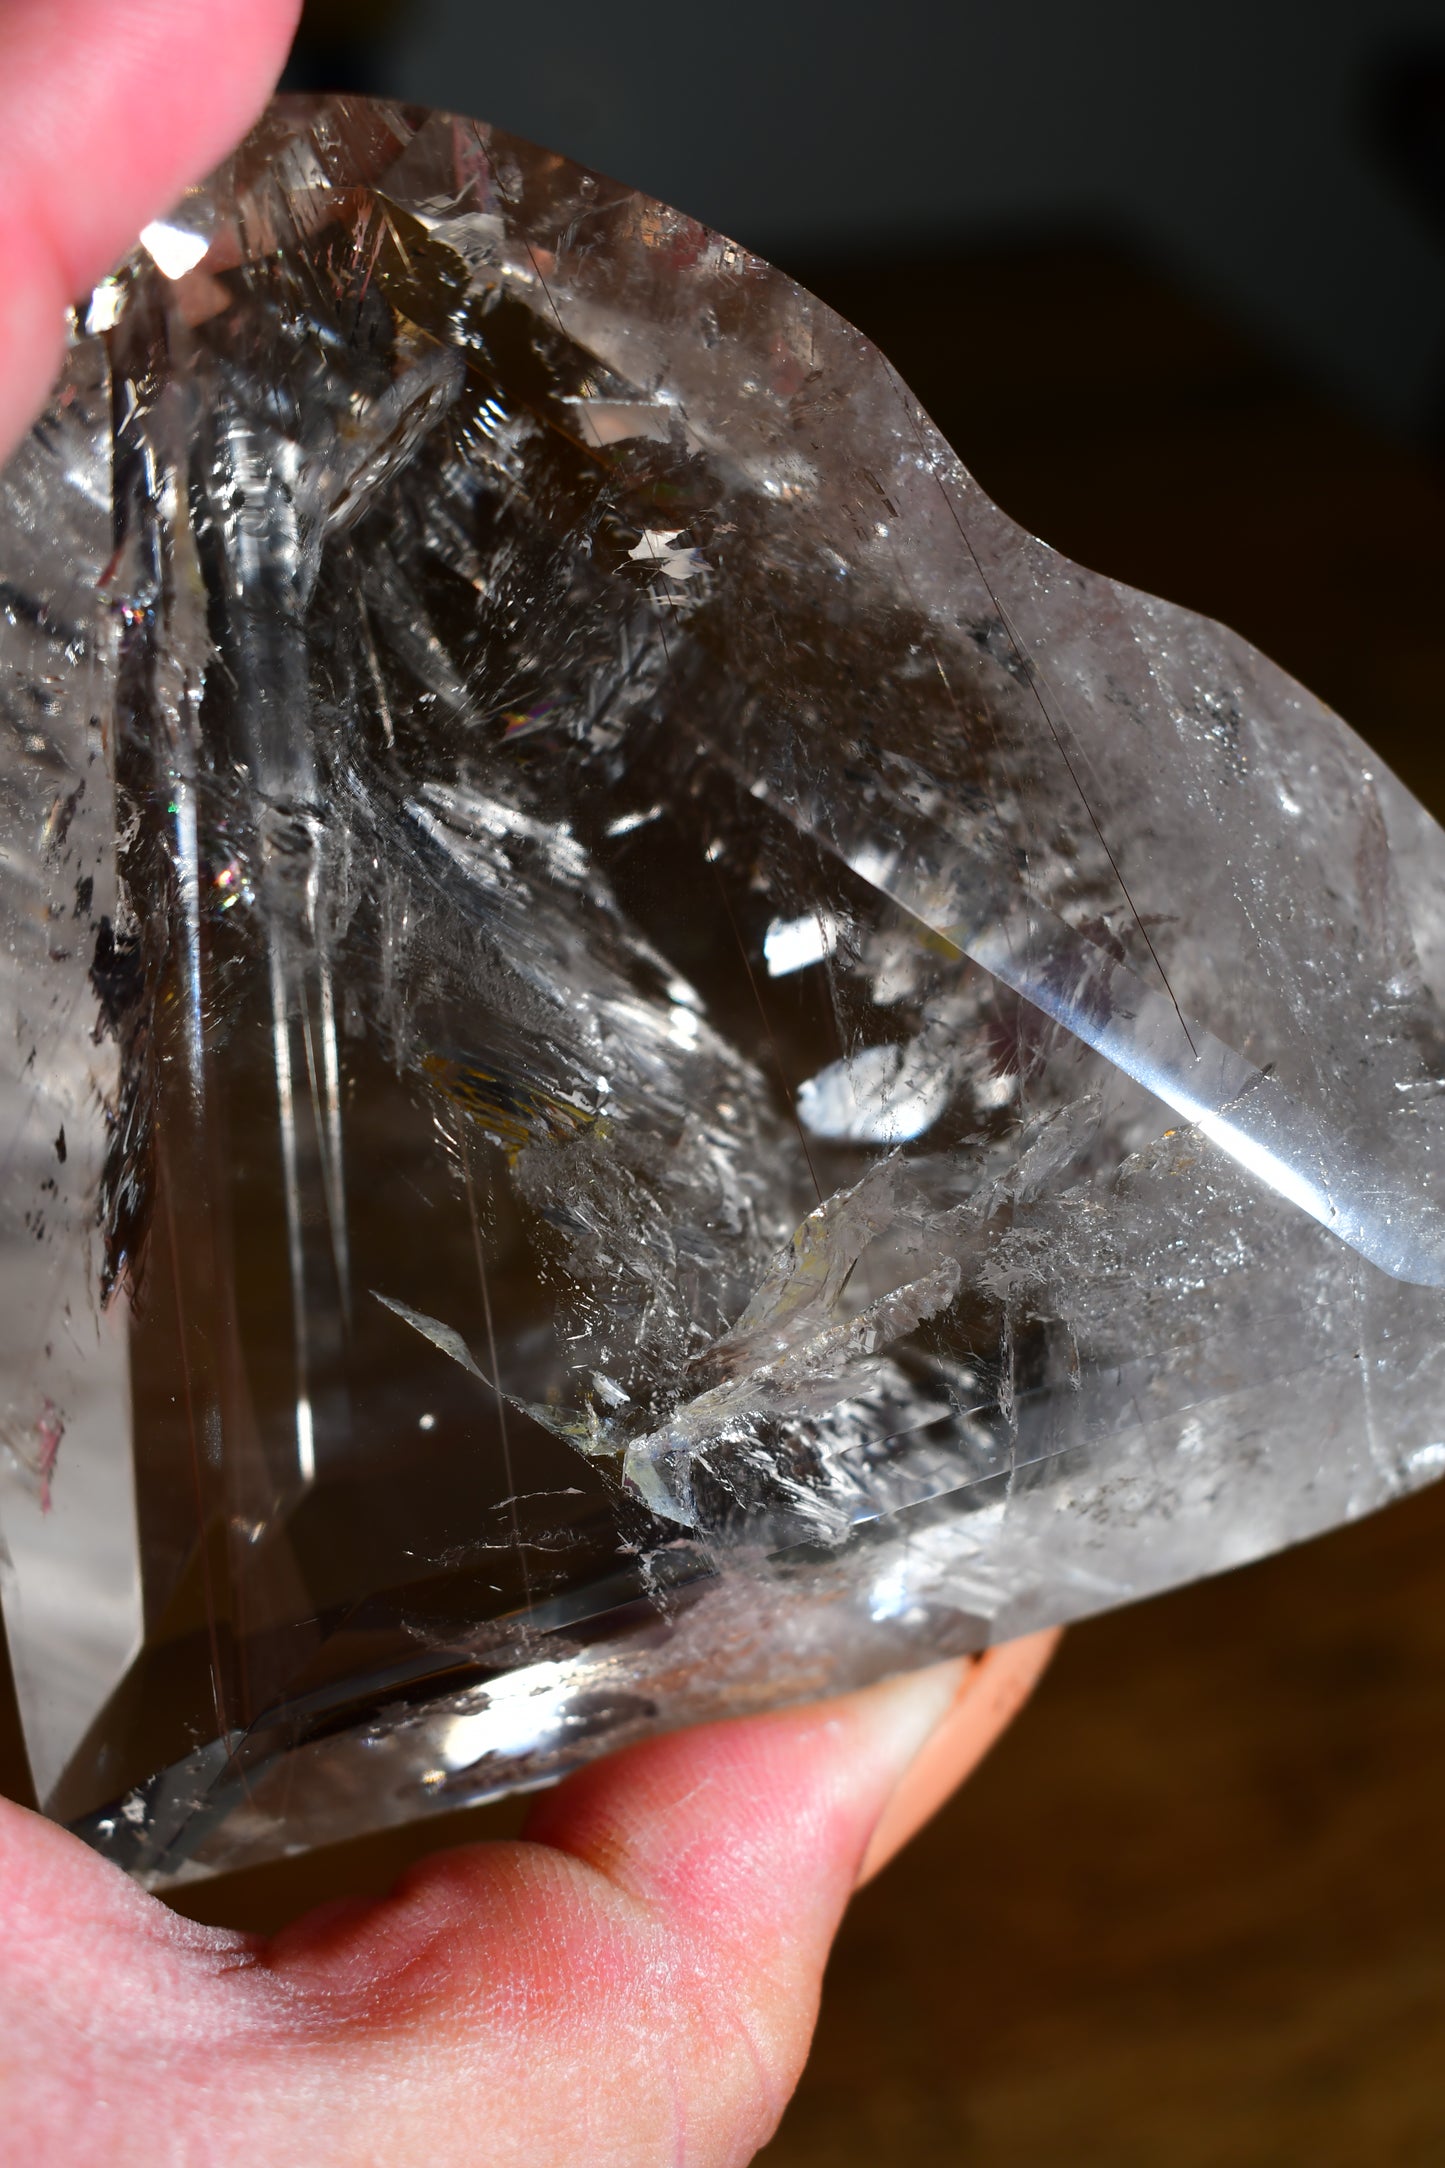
pixel 791 944
pixel 880 1095
pixel 175 250
pixel 716 1074
pixel 103 310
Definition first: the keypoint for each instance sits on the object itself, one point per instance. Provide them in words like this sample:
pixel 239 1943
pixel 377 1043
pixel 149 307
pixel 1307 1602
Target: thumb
pixel 639 1981
pixel 634 1984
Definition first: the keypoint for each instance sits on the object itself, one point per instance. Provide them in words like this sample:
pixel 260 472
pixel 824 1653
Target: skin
pixel 637 1981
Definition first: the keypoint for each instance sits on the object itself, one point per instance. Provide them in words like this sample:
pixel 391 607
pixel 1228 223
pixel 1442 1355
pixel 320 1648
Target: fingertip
pixel 989 1697
pixel 108 110
pixel 32 335
pixel 730 1818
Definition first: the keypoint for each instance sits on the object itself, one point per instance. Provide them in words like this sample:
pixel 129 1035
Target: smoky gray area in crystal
pixel 654 1066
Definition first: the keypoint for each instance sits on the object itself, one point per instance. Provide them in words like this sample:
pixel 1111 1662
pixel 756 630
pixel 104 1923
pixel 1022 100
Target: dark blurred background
pixel 1283 159
pixel 1172 280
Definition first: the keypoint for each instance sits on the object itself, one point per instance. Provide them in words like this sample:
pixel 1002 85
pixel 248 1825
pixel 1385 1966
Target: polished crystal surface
pixel 655 1064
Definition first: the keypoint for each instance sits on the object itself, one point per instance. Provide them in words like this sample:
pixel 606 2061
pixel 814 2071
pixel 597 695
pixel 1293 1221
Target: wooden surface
pixel 1192 1912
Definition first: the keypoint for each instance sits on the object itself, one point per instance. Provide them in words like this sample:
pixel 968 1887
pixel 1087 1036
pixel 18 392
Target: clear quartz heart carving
pixel 655 1065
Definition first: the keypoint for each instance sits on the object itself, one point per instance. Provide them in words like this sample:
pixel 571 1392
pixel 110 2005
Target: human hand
pixel 636 1982
pixel 108 109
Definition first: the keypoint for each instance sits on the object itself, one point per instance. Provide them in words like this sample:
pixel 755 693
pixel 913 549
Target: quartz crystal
pixel 655 1065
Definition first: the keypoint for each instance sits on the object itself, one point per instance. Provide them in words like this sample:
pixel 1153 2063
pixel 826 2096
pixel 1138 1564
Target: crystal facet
pixel 658 1066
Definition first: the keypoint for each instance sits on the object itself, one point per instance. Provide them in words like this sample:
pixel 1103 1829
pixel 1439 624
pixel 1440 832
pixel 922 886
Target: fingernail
pixel 946 1688
pixel 903 1714
pixel 981 1697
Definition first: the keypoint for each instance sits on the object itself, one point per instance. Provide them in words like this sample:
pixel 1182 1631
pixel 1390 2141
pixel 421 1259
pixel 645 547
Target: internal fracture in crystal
pixel 658 1065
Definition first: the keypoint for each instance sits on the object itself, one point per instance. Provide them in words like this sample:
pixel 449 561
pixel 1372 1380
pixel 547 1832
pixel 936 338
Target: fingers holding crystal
pixel 642 1982
pixel 107 111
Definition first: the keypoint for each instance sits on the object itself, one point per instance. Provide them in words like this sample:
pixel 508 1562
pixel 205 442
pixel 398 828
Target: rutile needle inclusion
pixel 656 1066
